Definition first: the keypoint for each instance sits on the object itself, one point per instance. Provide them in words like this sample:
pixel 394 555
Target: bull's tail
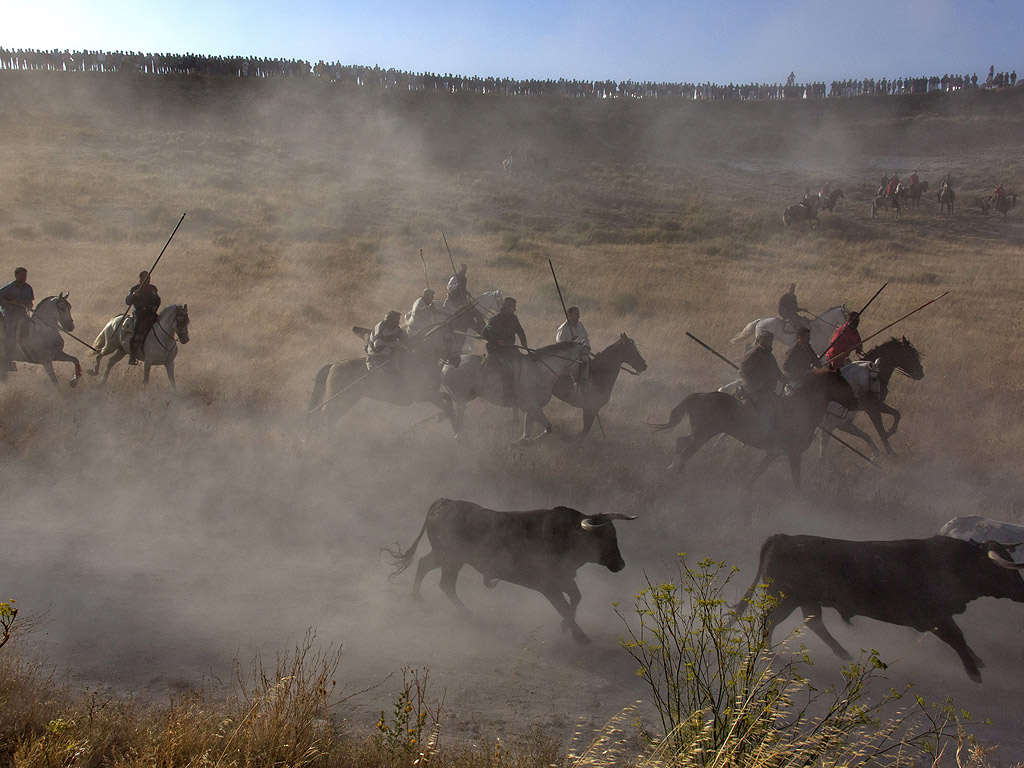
pixel 747 332
pixel 741 607
pixel 677 415
pixel 319 387
pixel 401 560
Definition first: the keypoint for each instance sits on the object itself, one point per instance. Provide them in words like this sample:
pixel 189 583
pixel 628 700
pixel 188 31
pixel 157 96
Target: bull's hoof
pixel 580 636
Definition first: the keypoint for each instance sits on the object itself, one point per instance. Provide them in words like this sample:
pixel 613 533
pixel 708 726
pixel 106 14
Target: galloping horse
pixel 829 203
pixel 893 355
pixel 915 192
pixel 799 212
pixel 408 378
pixel 39 339
pixel 160 347
pixel 822 328
pixel 534 378
pixel 797 417
pixel 946 199
pixel 604 371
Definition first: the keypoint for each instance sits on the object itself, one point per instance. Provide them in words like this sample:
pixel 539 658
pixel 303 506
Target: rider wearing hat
pixel 500 333
pixel 760 374
pixel 386 340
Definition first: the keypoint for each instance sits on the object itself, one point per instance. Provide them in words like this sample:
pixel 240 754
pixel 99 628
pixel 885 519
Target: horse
pixel 893 355
pixel 797 417
pixel 39 339
pixel 159 348
pixel 1001 204
pixel 829 203
pixel 800 212
pixel 888 201
pixel 534 378
pixel 915 192
pixel 822 328
pixel 604 371
pixel 407 378
pixel 946 199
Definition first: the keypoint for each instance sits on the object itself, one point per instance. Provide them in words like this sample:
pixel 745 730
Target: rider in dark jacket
pixel 143 297
pixel 500 333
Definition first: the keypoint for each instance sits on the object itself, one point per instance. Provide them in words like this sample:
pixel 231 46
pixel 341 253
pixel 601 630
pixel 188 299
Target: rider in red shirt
pixel 845 340
pixel 894 184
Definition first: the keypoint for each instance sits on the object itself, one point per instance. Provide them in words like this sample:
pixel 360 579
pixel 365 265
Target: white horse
pixel 822 328
pixel 533 377
pixel 160 347
pixel 39 339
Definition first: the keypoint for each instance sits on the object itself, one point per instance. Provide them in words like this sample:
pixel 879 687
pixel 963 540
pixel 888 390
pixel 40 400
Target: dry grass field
pixel 163 535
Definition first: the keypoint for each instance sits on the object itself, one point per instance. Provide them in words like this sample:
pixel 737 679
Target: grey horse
pixel 39 339
pixel 160 348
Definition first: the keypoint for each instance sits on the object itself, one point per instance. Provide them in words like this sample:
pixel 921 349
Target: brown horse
pixel 799 212
pixel 797 418
pixel 604 371
pixel 1001 204
pixel 829 203
pixel 915 192
pixel 946 199
pixel 887 201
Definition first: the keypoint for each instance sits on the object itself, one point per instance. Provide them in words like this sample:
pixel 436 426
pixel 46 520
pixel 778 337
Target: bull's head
pixel 601 527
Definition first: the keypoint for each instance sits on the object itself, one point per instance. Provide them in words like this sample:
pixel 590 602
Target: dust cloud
pixel 165 535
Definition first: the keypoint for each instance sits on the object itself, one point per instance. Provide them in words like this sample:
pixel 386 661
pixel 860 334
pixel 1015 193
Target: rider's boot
pixel 133 353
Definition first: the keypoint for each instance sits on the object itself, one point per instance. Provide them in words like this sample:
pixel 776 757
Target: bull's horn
pixel 587 524
pixel 1002 562
pixel 620 516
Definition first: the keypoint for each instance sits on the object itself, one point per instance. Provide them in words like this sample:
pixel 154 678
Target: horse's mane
pixel 168 309
pixel 872 354
pixel 559 346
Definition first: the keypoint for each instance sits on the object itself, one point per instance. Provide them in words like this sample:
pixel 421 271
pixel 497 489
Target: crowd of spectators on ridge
pixel 375 77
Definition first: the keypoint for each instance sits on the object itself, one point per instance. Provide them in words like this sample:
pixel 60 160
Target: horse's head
pixel 64 319
pixel 908 359
pixel 181 323
pixel 630 355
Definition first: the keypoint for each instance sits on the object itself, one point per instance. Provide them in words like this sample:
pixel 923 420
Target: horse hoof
pixel 74 382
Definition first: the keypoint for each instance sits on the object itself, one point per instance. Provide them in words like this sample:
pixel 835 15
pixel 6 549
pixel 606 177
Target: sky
pixel 683 41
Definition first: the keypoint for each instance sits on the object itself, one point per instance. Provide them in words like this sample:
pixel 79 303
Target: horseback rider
pixel 808 200
pixel 144 298
pixel 572 330
pixel 801 358
pixel 826 190
pixel 789 310
pixel 500 334
pixel 884 185
pixel 894 184
pixel 914 179
pixel 425 314
pixel 16 298
pixel 947 182
pixel 1000 193
pixel 845 340
pixel 759 374
pixel 458 294
pixel 387 340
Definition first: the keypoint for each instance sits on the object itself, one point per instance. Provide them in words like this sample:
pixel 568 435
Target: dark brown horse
pixel 829 203
pixel 1001 204
pixel 915 192
pixel 604 371
pixel 799 212
pixel 887 201
pixel 946 199
pixel 797 418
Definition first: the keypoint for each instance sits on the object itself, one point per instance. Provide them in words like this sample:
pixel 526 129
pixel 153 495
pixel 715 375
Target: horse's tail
pixel 319 387
pixel 677 415
pixel 747 331
pixel 100 344
pixel 401 560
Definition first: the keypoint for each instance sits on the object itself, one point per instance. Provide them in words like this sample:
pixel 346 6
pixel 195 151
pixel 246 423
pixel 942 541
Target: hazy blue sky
pixel 721 41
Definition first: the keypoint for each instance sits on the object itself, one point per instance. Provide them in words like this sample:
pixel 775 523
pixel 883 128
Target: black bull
pixel 919 583
pixel 540 550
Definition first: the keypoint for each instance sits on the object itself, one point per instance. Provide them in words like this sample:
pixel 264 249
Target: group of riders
pixel 760 375
pixel 395 335
pixel 17 301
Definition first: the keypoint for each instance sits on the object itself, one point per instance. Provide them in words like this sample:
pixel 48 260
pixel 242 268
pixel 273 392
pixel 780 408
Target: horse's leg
pixel 875 414
pixel 852 429
pixel 888 410
pixel 115 358
pixel 761 467
pixel 686 447
pixel 48 367
pixel 64 357
pixel 588 421
pixel 145 373
pixel 169 367
pixel 794 467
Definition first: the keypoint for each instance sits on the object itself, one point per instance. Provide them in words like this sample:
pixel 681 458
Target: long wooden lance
pixel 839 440
pixel 890 325
pixel 569 326
pixel 425 278
pixel 149 274
pixel 450 258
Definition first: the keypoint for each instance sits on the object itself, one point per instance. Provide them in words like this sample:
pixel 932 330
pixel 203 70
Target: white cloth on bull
pixel 422 317
pixel 575 333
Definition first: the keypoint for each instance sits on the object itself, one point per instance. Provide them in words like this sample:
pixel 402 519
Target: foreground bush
pixel 727 698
